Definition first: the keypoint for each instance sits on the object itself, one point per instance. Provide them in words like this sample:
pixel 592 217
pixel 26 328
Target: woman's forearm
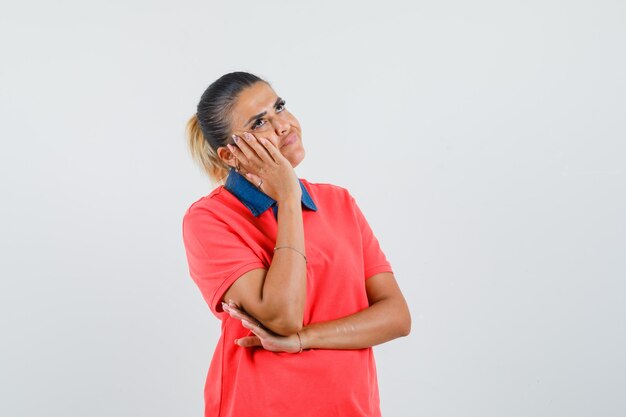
pixel 382 321
pixel 284 288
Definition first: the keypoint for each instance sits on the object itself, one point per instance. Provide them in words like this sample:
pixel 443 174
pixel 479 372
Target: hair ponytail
pixel 204 155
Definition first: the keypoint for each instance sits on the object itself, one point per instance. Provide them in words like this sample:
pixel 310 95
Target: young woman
pixel 290 267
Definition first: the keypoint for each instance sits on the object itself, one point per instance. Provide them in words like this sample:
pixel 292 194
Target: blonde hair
pixel 203 154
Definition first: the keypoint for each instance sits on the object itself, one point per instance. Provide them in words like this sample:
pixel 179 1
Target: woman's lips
pixel 291 139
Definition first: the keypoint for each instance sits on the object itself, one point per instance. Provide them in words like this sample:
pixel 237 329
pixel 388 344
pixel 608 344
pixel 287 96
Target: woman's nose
pixel 281 127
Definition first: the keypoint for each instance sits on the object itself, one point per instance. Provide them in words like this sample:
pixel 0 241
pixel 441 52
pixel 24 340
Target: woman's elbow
pixel 405 323
pixel 406 329
pixel 284 327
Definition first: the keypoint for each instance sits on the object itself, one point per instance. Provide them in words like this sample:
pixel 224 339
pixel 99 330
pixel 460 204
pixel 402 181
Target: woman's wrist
pixel 292 201
pixel 305 338
pixel 301 348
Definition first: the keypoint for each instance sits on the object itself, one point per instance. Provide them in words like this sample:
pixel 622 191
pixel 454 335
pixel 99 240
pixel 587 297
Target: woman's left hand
pixel 262 337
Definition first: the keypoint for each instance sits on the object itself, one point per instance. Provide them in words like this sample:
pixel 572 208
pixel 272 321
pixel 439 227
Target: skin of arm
pixel 276 297
pixel 386 318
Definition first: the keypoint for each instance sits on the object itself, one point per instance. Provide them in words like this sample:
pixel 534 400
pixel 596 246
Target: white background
pixel 483 140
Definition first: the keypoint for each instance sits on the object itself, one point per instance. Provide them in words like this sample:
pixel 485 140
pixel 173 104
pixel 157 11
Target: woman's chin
pixel 297 157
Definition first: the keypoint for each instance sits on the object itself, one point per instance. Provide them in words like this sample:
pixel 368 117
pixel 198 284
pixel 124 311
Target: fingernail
pixel 235 138
pixel 224 306
pixel 236 340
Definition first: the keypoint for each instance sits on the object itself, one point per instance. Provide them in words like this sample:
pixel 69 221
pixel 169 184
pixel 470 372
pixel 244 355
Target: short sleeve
pixel 216 255
pixel 374 258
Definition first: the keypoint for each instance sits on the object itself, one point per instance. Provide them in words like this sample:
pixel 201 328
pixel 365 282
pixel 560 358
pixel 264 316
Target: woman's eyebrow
pixel 263 113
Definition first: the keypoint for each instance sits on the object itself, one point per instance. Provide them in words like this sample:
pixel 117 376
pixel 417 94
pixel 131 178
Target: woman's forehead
pixel 257 96
pixel 253 100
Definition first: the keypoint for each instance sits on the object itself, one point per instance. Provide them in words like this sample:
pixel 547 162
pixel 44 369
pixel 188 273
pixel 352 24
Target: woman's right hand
pixel 262 337
pixel 262 161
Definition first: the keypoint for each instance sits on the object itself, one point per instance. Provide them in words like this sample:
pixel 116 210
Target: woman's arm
pixel 275 296
pixel 386 318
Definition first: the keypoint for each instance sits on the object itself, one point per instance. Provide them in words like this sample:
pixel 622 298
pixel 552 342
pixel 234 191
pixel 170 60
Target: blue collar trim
pixel 256 200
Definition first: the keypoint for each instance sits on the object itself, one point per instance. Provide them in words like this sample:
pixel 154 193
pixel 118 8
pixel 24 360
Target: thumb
pixel 248 341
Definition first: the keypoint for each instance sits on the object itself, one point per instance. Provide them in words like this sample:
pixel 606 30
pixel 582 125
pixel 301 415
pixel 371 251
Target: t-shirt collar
pixel 256 200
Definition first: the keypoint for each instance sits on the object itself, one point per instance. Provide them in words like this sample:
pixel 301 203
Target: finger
pixel 242 316
pixel 256 180
pixel 237 310
pixel 271 149
pixel 257 330
pixel 245 145
pixel 244 149
pixel 237 313
pixel 259 149
pixel 249 341
pixel 239 154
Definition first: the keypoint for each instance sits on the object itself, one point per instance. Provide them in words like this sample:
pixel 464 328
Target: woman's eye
pixel 255 124
pixel 280 107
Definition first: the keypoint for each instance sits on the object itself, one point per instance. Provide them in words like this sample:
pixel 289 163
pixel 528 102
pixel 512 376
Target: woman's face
pixel 261 112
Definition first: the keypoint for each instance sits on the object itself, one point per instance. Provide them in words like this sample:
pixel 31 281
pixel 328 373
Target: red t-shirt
pixel 223 240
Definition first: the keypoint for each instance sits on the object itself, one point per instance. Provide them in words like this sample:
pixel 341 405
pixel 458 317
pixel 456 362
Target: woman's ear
pixel 227 156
